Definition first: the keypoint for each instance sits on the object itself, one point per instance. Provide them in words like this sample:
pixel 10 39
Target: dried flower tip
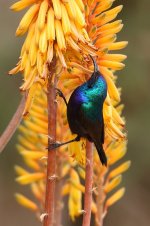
pixel 53 177
pixel 82 212
pixel 94 189
pixel 43 158
pixel 43 215
pixel 88 162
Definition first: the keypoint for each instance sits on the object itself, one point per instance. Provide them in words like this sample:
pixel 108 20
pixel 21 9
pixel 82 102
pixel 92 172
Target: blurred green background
pixel 134 208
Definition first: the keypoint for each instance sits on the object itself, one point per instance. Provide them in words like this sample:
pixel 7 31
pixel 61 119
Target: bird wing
pixel 94 126
pixel 103 131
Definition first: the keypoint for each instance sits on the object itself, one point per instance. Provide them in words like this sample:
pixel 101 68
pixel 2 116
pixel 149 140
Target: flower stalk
pixel 99 202
pixel 88 184
pixel 51 160
pixel 13 124
pixel 58 188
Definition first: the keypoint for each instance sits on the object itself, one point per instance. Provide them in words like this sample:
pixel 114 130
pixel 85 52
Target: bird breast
pixel 97 93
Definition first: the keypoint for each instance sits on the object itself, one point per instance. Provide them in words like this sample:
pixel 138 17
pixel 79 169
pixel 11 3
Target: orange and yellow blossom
pixel 69 31
pixel 54 28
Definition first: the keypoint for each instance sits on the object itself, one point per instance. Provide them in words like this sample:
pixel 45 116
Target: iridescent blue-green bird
pixel 85 112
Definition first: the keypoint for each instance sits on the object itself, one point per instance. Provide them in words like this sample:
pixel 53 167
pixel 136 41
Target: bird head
pixel 94 75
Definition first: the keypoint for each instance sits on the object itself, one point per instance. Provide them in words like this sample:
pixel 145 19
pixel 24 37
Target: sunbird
pixel 85 112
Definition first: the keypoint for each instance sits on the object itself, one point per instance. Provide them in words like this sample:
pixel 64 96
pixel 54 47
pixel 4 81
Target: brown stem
pixel 58 196
pixel 51 161
pixel 99 202
pixel 60 181
pixel 88 184
pixel 13 124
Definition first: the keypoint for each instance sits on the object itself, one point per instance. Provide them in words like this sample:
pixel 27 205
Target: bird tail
pixel 101 154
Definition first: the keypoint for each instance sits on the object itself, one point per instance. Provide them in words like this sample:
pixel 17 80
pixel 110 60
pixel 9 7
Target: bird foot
pixel 53 146
pixel 59 93
pixel 77 138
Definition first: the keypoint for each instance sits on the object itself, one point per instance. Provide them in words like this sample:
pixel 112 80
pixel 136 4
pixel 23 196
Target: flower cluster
pixel 53 28
pixel 69 31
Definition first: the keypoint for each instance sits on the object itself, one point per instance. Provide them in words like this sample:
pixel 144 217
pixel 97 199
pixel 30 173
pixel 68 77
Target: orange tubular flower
pixel 69 31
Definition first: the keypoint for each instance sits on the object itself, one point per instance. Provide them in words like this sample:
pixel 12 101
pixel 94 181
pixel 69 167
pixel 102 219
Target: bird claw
pixel 53 146
pixel 77 138
pixel 59 92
